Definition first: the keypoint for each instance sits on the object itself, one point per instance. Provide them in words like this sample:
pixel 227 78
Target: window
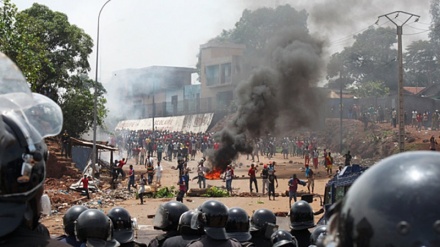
pixel 340 192
pixel 225 73
pixel 212 75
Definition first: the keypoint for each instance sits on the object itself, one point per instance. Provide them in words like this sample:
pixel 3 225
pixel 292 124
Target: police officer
pixel 262 225
pixel 282 238
pixel 301 219
pixel 187 234
pixel 69 219
pixel 94 228
pixel 238 226
pixel 393 203
pixel 167 219
pixel 212 217
pixel 123 227
pixel 25 119
pixel 318 235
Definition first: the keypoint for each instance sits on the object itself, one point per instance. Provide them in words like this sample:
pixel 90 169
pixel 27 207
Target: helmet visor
pixel 36 115
pixel 161 218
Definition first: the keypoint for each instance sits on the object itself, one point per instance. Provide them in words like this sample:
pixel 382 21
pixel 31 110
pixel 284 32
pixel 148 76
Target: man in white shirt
pixel 158 171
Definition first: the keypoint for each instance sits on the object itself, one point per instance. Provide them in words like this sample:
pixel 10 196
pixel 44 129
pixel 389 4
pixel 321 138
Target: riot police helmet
pixel 122 225
pixel 212 217
pixel 168 214
pixel 283 238
pixel 301 216
pixel 393 203
pixel 93 224
pixel 25 119
pixel 261 219
pixel 69 218
pixel 184 226
pixel 238 225
pixel 317 234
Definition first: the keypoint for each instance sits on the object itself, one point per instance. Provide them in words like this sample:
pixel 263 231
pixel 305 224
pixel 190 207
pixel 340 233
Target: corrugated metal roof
pixel 78 142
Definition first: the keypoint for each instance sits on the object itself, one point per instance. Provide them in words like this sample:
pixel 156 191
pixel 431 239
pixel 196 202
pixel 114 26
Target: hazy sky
pixel 141 33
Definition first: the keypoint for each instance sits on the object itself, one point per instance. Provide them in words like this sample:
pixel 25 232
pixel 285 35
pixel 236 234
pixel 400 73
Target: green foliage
pixel 371 89
pixel 166 192
pixel 53 56
pixel 370 58
pixel 216 192
pixel 256 28
pixel 421 64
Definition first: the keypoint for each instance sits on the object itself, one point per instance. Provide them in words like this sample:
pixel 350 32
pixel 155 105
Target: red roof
pixel 413 90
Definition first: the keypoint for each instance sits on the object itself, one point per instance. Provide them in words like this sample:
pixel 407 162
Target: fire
pixel 214 174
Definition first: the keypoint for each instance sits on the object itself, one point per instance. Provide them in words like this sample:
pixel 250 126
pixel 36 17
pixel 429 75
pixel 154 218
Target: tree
pixel 421 64
pixel 52 55
pixel 257 28
pixel 434 35
pixel 78 104
pixel 370 58
pixel 371 89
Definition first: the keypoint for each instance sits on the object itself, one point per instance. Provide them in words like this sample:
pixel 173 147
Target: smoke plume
pixel 278 97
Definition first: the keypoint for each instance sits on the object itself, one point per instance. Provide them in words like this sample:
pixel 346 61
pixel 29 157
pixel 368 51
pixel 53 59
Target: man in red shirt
pixel 252 177
pixel 119 169
pixel 85 182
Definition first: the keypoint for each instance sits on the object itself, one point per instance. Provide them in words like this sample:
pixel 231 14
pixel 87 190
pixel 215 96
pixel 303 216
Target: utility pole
pixel 340 109
pixel 95 95
pixel 400 72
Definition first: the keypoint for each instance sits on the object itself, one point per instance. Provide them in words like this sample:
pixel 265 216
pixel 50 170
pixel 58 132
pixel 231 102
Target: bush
pixel 215 192
pixel 166 192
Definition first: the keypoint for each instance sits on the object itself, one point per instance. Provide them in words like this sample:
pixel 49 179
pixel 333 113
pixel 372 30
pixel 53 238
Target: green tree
pixel 371 89
pixel 434 35
pixel 420 64
pixel 370 58
pixel 256 28
pixel 52 54
pixel 78 106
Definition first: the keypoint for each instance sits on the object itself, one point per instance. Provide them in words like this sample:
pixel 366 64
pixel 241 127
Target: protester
pixel 158 171
pixel 229 175
pixel 253 178
pixel 85 185
pixel 131 176
pixel 293 187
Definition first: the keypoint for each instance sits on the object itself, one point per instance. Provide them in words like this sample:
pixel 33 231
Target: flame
pixel 214 174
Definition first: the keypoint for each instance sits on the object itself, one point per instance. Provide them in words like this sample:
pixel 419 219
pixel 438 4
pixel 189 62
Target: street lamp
pixel 95 94
pixel 395 14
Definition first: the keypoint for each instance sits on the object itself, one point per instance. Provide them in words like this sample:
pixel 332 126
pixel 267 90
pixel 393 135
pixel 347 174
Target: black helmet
pixel 212 217
pixel 25 119
pixel 238 224
pixel 318 234
pixel 168 215
pixel 93 224
pixel 283 238
pixel 301 216
pixel 261 218
pixel 122 225
pixel 184 226
pixel 403 212
pixel 70 217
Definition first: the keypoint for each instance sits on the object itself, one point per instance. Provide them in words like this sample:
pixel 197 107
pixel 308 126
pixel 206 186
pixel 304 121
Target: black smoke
pixel 278 97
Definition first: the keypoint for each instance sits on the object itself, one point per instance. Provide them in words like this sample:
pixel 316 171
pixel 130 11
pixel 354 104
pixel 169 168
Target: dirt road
pixel 284 169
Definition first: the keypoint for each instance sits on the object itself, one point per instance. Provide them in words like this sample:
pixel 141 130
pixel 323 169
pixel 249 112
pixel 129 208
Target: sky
pixel 142 33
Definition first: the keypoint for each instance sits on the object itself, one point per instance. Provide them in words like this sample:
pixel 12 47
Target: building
pixel 221 70
pixel 156 90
